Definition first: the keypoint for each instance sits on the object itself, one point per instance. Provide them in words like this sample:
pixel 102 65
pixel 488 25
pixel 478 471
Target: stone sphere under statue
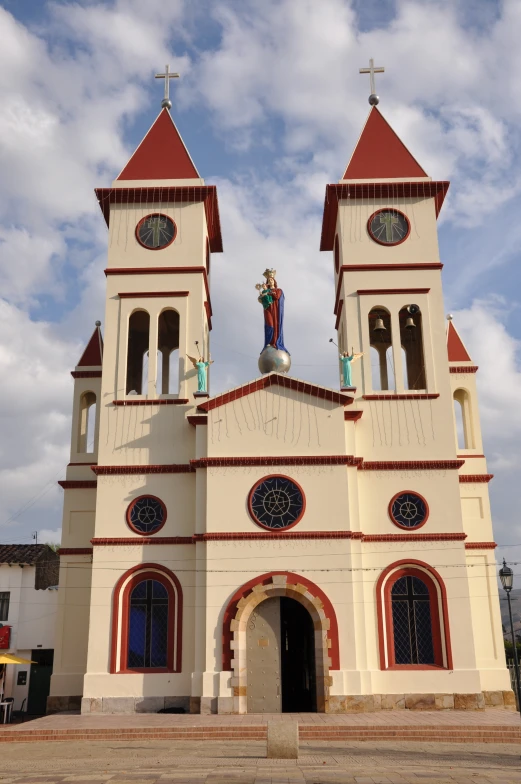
pixel 274 359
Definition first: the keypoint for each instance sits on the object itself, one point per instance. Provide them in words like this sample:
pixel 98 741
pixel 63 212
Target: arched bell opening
pixel 168 353
pixel 137 352
pixel 462 414
pixel 381 343
pixel 411 340
pixel 87 422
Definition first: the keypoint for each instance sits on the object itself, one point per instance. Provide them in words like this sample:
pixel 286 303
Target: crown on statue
pixel 270 273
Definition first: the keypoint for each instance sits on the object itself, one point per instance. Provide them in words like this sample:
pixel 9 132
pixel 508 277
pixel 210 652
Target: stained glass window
pixel 156 231
pixel 412 622
pixel 408 510
pixel 388 227
pixel 276 502
pixel 146 515
pixel 148 626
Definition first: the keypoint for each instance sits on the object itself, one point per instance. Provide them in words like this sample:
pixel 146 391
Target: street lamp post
pixel 506 575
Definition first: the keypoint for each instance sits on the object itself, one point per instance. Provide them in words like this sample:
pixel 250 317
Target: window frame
pixel 3 601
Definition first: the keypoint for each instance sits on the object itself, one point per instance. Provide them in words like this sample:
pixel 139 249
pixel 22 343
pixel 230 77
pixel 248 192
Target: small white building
pixel 28 608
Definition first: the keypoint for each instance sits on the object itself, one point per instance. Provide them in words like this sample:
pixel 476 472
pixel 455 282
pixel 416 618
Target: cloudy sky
pixel 270 105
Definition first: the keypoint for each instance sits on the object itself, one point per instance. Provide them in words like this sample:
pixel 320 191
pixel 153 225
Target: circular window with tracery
pixel 408 510
pixel 156 231
pixel 276 502
pixel 146 515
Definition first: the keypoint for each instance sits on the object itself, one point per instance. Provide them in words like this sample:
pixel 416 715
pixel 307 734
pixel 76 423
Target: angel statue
pixel 200 365
pixel 345 360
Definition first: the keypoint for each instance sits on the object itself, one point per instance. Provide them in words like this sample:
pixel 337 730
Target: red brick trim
pixel 292 579
pixel 212 462
pixel 395 521
pixel 197 420
pixel 78 484
pixel 417 396
pixel 380 268
pixel 339 313
pixel 168 195
pixel 475 478
pixel 163 271
pixel 463 369
pixel 285 534
pixel 352 416
pixel 141 294
pixel 466 457
pixel 276 379
pixel 147 571
pixel 412 537
pixel 175 468
pixel 86 373
pixel 410 465
pixel 384 614
pixel 88 464
pixel 75 551
pixel 362 292
pixel 126 540
pixel 155 402
pixel 480 545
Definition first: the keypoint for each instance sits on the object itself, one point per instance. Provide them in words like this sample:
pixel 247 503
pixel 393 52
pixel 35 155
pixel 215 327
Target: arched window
pixel 380 339
pixel 87 422
pixel 137 352
pixel 412 618
pixel 464 434
pixel 147 621
pixel 411 339
pixel 168 345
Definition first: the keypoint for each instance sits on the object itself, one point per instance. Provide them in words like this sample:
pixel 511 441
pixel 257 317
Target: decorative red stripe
pixel 463 369
pixel 339 314
pixel 89 464
pixel 210 462
pixel 75 551
pixel 362 292
pixel 138 540
pixel 78 484
pixel 480 545
pixel 352 416
pixel 280 380
pixel 475 478
pixel 162 271
pixel 470 456
pixel 197 420
pixel 86 373
pixel 410 465
pixel 412 537
pixel 244 536
pixel 380 268
pixel 179 468
pixel 417 396
pixel 152 402
pixel 140 294
pixel 208 309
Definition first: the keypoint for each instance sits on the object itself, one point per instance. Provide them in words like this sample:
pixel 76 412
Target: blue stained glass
pixel 148 626
pixel 412 622
pixel 159 591
pixel 147 515
pixel 139 592
pixel 136 637
pixel 409 510
pixel 276 502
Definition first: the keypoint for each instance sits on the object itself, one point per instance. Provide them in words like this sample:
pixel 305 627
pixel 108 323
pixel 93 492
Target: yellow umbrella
pixel 8 658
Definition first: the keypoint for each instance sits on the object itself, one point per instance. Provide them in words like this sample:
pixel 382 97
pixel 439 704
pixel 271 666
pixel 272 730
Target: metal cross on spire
pixel 166 103
pixel 373 98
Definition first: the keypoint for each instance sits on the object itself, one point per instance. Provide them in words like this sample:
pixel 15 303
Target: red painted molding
pixel 197 420
pixel 417 396
pixel 382 268
pixel 245 536
pixel 211 462
pixel 293 579
pixel 174 468
pixel 139 540
pixel 86 373
pixel 362 292
pixel 89 464
pixel 75 551
pixel 410 465
pixel 201 395
pixel 168 195
pixel 152 402
pixel 147 571
pixel 372 191
pixel 475 478
pixel 140 294
pixel 163 271
pixel 463 369
pixel 353 416
pixel 412 537
pixel 279 380
pixel 78 484
pixel 208 311
pixel 466 457
pixel 384 614
pixel 480 545
pixel 339 313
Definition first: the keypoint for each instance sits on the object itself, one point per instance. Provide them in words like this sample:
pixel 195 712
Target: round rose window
pixel 276 502
pixel 408 510
pixel 146 515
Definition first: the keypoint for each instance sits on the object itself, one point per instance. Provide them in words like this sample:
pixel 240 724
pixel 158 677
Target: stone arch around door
pixel 239 609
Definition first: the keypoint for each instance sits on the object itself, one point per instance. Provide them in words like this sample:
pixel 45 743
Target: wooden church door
pixel 263 658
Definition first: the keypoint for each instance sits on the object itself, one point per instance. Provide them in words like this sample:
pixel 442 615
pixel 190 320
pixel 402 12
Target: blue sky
pixel 270 105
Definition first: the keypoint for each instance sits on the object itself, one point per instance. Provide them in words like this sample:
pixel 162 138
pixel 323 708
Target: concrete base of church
pixel 352 703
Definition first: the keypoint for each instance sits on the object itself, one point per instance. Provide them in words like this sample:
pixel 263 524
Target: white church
pixel 283 546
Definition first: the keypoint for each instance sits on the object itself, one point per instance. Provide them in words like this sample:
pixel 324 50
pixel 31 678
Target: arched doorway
pixel 280 658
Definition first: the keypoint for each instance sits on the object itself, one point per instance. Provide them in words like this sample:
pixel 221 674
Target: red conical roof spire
pixel 455 348
pixel 93 354
pixel 162 154
pixel 380 154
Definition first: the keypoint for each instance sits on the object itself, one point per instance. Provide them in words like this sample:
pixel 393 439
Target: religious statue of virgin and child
pixel 274 355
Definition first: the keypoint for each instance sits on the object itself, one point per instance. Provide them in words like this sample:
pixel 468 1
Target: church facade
pixel 283 546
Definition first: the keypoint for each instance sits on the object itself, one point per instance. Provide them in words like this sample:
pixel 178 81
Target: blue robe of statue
pixel 201 375
pixel 346 371
pixel 274 321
